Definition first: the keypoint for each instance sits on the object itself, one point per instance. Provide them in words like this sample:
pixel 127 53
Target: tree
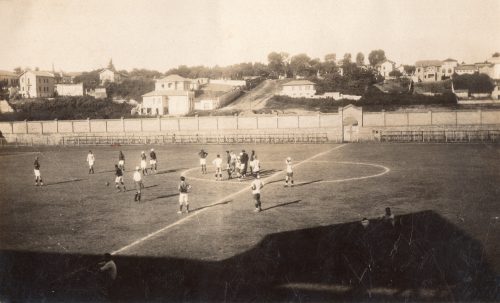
pixel 395 73
pixel 409 69
pixel 332 57
pixel 18 70
pixel 475 83
pixel 360 59
pixel 300 65
pixel 347 59
pixel 496 55
pixel 89 79
pixel 275 63
pixel 376 56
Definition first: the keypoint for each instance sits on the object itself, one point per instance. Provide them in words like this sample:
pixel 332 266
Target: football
pixel 107 183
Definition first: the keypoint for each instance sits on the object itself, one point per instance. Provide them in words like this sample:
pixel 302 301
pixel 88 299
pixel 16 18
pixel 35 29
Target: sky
pixel 159 35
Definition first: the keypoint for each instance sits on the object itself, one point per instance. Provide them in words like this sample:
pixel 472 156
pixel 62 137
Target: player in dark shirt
pixel 152 160
pixel 121 160
pixel 119 178
pixel 244 161
pixel 203 161
pixel 38 175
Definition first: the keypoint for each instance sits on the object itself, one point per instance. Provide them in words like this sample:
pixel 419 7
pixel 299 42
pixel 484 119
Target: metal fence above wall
pixel 284 138
pixel 450 136
pixel 311 138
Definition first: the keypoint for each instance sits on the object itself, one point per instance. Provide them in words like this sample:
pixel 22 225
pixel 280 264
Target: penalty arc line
pixel 246 188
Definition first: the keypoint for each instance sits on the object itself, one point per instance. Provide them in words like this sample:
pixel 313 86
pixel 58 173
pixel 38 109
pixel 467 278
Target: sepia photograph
pixel 249 151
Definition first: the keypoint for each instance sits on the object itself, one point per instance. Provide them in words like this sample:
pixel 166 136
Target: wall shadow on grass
pixel 422 258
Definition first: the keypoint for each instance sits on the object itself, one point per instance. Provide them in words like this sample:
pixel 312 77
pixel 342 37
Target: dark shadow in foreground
pixel 423 257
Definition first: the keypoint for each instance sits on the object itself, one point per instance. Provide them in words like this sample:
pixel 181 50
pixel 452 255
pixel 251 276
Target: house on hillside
pixel 428 70
pixel 98 93
pixel 9 79
pixel 66 78
pixel 494 71
pixel 385 67
pixel 173 82
pixel 298 89
pixel 215 96
pixel 167 102
pixel 109 75
pixel 466 69
pixel 448 68
pixel 36 84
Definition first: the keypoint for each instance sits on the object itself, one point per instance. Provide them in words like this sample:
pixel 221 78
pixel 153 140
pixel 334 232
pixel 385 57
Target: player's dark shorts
pixel 290 175
pixel 138 185
pixel 256 197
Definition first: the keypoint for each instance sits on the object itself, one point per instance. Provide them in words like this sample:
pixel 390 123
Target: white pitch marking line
pixel 149 236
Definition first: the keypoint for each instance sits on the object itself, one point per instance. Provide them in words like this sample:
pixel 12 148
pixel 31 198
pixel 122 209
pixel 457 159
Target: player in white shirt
pixel 91 160
pixel 289 172
pixel 217 162
pixel 138 184
pixel 256 186
pixel 256 166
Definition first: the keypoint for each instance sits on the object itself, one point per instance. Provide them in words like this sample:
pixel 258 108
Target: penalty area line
pixel 246 188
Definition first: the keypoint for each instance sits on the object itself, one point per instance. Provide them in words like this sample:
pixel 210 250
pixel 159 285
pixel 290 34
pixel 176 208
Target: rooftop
pixel 174 78
pixel 299 82
pixel 466 67
pixel 450 60
pixel 426 63
pixel 167 93
pixel 7 73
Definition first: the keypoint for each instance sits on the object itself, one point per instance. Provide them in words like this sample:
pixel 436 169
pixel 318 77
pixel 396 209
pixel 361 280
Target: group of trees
pixel 65 108
pixel 475 83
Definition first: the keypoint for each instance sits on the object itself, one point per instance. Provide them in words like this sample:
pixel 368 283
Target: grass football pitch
pixel 306 245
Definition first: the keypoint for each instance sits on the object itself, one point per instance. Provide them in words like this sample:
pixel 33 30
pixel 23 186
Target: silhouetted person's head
pixel 365 222
pixel 107 257
pixel 388 211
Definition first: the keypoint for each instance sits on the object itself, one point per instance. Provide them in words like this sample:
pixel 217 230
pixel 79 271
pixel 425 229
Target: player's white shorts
pixel 183 198
pixel 250 163
pixel 242 166
pixel 143 164
pixel 119 179
pixel 121 162
pixel 203 161
pixel 37 173
pixel 91 163
pixel 152 162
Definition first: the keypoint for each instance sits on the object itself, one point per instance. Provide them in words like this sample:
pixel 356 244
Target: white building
pixel 36 84
pixel 494 70
pixel 466 69
pixel 69 89
pixel 448 68
pixel 298 88
pixel 167 102
pixel 108 75
pixel 173 82
pixel 385 67
pixel 10 79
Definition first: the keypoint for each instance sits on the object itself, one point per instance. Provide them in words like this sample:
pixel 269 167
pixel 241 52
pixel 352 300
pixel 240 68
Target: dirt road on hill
pixel 256 98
